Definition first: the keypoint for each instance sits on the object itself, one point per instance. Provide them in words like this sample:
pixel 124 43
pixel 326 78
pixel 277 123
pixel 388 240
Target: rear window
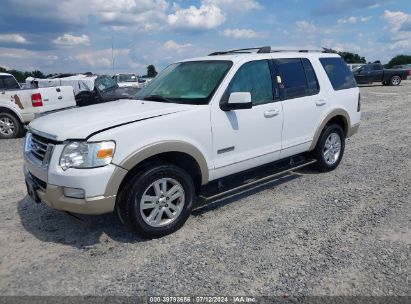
pixel 339 74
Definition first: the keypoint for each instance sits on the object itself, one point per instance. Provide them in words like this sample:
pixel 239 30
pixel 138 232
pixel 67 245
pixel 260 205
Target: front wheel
pixel 330 148
pixel 395 80
pixel 158 201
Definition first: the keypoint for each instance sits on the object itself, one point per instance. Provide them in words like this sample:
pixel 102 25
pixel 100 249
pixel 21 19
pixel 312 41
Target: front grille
pixel 41 148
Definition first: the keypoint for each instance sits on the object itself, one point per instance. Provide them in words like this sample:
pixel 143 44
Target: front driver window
pixel 253 77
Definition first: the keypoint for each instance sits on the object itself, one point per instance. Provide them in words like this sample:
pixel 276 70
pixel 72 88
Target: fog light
pixel 73 192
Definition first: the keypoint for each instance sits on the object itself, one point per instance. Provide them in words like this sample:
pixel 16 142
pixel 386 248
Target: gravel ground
pixel 346 232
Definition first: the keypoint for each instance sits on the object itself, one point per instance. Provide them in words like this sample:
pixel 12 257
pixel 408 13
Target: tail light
pixel 36 100
pixel 409 72
pixel 359 103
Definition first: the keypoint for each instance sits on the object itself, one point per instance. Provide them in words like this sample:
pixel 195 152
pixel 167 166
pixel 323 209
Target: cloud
pixel 101 58
pixel 399 28
pixel 243 5
pixel 16 53
pixel 193 18
pixel 145 15
pixel 354 20
pixel 13 38
pixel 72 40
pixel 305 26
pixel 341 6
pixel 339 46
pixel 240 33
pixel 172 45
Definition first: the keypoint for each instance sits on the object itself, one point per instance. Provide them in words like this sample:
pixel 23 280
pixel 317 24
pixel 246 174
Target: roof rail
pixel 270 49
pixel 263 49
pixel 275 49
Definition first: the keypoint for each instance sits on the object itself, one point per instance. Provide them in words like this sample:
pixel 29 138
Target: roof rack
pixel 270 49
pixel 263 49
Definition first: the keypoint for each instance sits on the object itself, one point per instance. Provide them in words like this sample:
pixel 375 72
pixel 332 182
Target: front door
pixel 246 138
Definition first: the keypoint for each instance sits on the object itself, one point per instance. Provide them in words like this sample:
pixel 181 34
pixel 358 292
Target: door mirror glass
pixel 237 101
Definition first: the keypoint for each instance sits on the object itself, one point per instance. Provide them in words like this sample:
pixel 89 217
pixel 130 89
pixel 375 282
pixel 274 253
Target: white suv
pixel 199 120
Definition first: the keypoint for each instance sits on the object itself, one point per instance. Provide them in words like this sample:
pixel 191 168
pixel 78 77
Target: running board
pixel 258 182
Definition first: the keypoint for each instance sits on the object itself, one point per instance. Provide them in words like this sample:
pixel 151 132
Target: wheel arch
pixel 179 153
pixel 338 116
pixel 11 111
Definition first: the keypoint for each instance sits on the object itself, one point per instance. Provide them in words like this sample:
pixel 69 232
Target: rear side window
pixel 312 82
pixel 293 81
pixel 253 77
pixel 339 74
pixel 377 67
pixel 8 83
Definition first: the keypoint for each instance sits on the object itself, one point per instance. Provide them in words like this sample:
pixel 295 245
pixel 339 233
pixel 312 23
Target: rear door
pixel 376 73
pixel 304 103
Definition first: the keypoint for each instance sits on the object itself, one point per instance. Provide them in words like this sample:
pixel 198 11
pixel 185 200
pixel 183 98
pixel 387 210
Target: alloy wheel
pixel 332 148
pixel 162 202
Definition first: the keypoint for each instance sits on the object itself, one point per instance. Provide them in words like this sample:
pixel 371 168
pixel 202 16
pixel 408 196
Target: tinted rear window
pixel 293 77
pixel 339 74
pixel 312 82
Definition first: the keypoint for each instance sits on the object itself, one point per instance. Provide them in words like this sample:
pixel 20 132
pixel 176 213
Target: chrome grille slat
pixel 38 154
pixel 40 147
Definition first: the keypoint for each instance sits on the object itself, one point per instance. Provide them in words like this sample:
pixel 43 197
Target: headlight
pixel 27 142
pixel 79 154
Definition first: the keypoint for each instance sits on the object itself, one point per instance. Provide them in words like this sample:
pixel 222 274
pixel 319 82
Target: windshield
pixel 127 78
pixel 192 82
pixel 104 83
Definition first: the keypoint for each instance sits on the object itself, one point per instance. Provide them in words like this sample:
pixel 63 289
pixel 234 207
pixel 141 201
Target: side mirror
pixel 237 101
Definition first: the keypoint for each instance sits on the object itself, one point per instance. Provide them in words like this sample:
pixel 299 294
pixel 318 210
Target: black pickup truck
pixel 375 72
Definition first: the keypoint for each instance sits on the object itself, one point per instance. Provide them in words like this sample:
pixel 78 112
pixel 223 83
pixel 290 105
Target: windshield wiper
pixel 157 98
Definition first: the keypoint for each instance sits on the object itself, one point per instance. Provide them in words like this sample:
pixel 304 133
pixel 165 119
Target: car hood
pixel 80 123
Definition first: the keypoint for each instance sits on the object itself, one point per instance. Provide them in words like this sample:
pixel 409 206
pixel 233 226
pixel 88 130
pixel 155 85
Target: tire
pixel 395 80
pixel 327 161
pixel 163 212
pixel 10 126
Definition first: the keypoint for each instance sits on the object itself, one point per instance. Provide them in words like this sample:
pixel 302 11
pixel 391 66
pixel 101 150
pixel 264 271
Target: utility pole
pixel 112 51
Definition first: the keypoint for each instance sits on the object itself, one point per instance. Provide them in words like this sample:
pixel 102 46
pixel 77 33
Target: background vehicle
pixel 375 72
pixel 198 121
pixel 20 106
pixel 404 67
pixel 354 66
pixel 127 80
pixel 90 89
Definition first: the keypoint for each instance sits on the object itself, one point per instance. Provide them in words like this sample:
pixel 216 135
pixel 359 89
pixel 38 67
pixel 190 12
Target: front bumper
pixel 100 185
pixel 54 197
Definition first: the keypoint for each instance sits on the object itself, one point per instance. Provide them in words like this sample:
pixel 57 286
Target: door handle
pixel 271 113
pixel 320 102
pixel 60 97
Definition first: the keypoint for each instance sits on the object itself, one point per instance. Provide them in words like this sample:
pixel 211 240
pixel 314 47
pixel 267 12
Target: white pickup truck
pixel 20 106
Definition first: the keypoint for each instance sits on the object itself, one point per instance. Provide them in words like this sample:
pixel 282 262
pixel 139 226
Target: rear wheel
pixel 395 80
pixel 158 201
pixel 10 126
pixel 330 148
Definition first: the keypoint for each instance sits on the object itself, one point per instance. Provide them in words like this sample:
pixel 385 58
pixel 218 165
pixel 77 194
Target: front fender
pixel 167 146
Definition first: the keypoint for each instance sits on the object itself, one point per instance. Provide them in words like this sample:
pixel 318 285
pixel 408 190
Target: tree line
pixel 151 70
pixel 22 75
